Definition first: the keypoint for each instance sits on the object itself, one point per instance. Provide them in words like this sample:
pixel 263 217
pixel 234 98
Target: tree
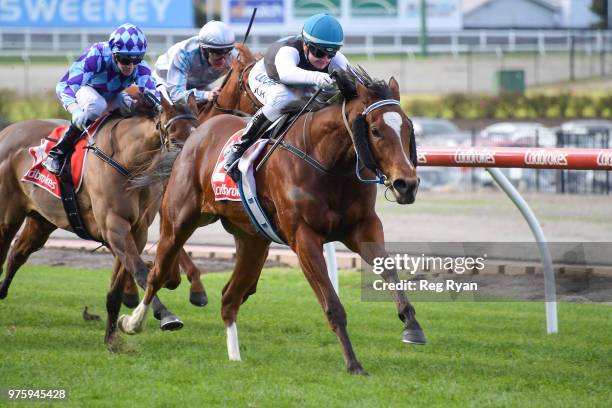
pixel 600 7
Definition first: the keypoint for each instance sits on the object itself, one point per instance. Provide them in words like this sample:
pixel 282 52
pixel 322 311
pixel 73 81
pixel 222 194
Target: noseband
pixel 364 154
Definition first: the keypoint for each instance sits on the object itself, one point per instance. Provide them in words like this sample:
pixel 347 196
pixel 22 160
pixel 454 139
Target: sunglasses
pixel 320 52
pixel 218 51
pixel 129 59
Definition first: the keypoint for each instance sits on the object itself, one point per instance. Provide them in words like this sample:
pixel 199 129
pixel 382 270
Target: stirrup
pixel 52 165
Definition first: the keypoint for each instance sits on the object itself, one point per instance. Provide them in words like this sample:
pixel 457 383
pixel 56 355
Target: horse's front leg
pixel 197 293
pixel 123 244
pixel 309 248
pixel 367 239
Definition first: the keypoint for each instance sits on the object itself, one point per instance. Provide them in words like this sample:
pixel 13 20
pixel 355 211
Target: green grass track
pixel 479 354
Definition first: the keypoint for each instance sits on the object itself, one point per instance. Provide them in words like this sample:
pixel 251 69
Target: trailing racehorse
pixel 110 213
pixel 316 198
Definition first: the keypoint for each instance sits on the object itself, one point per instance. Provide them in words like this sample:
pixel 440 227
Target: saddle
pixel 68 183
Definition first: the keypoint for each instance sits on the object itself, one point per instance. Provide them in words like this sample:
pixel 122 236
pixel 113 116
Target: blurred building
pixel 528 14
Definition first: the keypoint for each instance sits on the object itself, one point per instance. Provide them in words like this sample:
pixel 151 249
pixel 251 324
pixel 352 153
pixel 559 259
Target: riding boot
pixel 56 156
pixel 258 123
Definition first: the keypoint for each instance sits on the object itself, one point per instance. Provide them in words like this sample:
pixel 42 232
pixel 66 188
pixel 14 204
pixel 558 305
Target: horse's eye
pixel 376 132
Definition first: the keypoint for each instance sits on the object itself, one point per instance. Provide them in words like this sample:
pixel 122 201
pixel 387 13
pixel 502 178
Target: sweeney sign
pixel 96 13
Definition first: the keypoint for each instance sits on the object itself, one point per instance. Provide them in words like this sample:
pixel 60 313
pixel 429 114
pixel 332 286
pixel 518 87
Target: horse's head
pixel 382 133
pixel 177 120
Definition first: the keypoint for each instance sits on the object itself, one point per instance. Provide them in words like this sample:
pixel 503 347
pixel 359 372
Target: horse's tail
pixel 158 172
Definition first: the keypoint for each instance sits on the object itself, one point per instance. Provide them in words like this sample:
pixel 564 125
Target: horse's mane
pixel 347 87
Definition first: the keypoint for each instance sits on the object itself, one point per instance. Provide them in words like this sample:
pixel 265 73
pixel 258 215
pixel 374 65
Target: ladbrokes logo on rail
pixel 474 156
pixel 545 158
pixel 604 159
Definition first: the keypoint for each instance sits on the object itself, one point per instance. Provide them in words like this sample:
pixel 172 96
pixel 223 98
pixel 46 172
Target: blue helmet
pixel 128 39
pixel 323 31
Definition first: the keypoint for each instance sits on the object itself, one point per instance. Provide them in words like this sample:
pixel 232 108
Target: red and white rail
pixel 518 157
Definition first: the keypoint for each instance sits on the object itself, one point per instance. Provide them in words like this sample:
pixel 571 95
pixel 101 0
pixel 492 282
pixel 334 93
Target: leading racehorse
pixel 314 195
pixel 110 213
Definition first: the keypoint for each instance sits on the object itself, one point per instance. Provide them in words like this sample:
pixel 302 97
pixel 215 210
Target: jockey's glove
pixel 324 81
pixel 79 118
pixel 125 104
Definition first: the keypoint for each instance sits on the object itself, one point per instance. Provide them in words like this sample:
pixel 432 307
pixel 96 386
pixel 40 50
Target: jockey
pixel 194 64
pixel 95 83
pixel 289 69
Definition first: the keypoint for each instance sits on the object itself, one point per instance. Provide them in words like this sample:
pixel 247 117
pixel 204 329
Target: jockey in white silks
pixel 291 67
pixel 95 84
pixel 193 65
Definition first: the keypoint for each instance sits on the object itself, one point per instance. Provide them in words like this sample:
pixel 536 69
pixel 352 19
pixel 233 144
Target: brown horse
pixel 235 97
pixel 110 213
pixel 310 202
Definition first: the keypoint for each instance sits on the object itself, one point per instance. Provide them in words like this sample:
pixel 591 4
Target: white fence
pixel 44 42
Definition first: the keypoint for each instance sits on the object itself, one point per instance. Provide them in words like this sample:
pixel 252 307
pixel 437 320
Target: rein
pixel 164 140
pixel 381 178
pixel 255 104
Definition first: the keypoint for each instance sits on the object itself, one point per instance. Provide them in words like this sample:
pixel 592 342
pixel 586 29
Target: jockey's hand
pixel 214 93
pixel 79 118
pixel 125 104
pixel 324 81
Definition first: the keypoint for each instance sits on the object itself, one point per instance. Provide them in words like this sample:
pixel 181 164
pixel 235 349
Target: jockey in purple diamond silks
pixel 193 65
pixel 289 70
pixel 96 83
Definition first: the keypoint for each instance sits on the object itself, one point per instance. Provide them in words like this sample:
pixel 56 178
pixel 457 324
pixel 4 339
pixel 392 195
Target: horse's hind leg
pixel 370 231
pixel 251 254
pixel 34 235
pixel 309 249
pixel 197 293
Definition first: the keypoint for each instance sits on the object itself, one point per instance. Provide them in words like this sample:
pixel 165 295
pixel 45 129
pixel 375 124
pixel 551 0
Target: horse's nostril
pixel 400 185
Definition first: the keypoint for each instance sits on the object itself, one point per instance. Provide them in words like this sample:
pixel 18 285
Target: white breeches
pixel 272 94
pixel 93 103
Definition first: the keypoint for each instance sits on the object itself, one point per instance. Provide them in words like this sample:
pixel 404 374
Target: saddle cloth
pixel 39 176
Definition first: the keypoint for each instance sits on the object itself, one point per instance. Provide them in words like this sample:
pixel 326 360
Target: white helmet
pixel 216 34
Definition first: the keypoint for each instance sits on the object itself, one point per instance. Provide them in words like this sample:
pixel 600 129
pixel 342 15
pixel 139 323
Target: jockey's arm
pixel 339 62
pixel 286 61
pixel 176 82
pixel 79 74
pixel 145 80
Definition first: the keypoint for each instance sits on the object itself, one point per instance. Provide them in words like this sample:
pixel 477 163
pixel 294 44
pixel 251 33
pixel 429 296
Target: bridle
pixel 164 129
pixel 368 160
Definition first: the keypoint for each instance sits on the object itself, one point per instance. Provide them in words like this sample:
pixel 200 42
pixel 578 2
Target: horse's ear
pixel 191 102
pixel 165 103
pixel 394 86
pixel 362 91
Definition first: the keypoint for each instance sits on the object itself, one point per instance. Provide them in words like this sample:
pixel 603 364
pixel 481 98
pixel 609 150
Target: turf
pixel 479 354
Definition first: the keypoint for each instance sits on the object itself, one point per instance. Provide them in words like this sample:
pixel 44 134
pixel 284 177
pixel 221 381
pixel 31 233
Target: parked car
pixel 523 134
pixel 438 132
pixel 586 133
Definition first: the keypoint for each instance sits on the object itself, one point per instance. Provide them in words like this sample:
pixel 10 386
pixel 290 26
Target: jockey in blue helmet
pixel 291 67
pixel 95 83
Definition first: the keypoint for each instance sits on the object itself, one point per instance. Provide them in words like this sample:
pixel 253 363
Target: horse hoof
pixel 414 336
pixel 122 321
pixel 171 323
pixel 357 370
pixel 198 299
pixel 130 300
